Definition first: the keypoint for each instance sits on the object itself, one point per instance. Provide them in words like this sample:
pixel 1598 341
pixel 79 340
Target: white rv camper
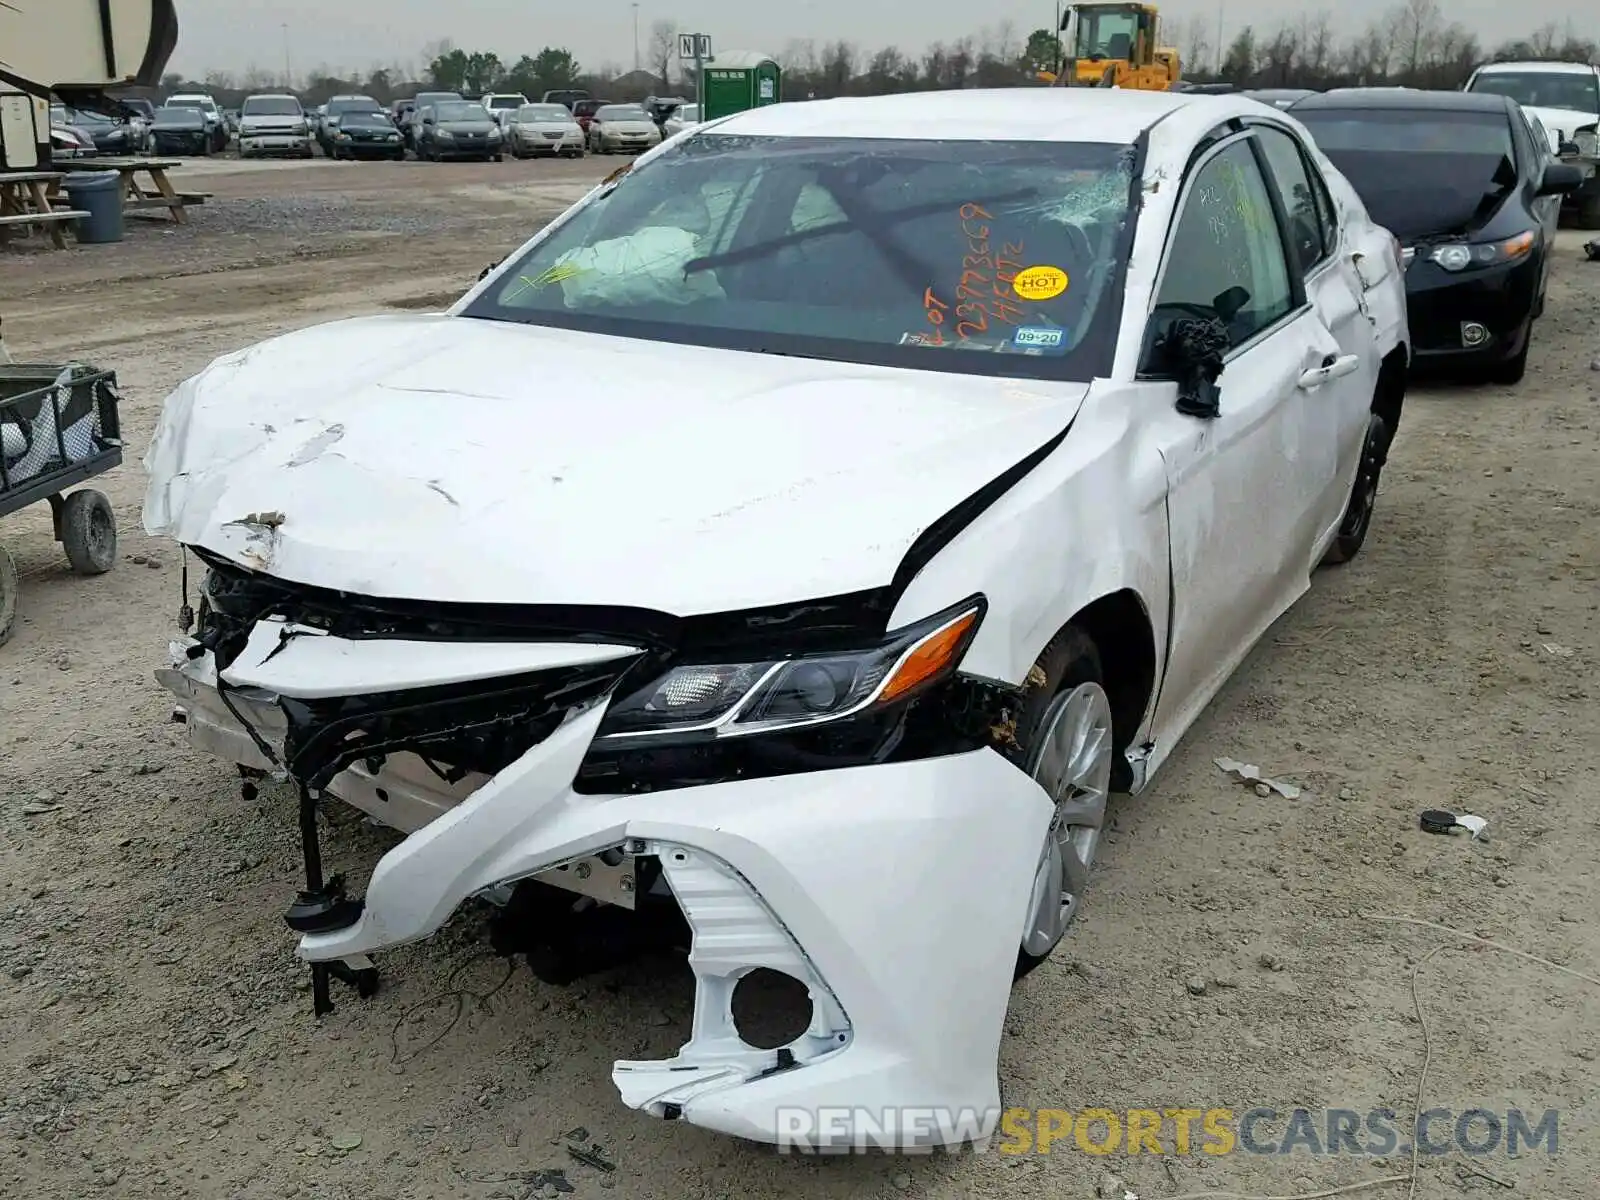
pixel 78 50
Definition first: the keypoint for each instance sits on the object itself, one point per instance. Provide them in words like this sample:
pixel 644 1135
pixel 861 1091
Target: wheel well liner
pixel 1120 628
pixel 1388 397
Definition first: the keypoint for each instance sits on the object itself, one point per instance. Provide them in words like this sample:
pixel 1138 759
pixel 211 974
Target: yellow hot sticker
pixel 1040 283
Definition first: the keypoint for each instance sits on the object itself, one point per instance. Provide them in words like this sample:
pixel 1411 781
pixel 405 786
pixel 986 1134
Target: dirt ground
pixel 155 1030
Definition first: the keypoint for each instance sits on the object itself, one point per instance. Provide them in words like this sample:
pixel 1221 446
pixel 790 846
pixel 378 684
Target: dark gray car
pixel 458 129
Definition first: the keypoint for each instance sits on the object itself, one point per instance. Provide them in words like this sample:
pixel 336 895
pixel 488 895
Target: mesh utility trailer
pixel 58 427
pixel 738 81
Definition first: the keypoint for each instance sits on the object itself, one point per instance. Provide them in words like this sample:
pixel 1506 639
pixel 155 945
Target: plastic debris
pixel 1437 820
pixel 1248 773
pixel 1556 650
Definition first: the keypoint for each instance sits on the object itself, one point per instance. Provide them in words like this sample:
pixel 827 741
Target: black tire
pixel 10 590
pixel 1070 659
pixel 89 532
pixel 1363 494
pixel 1510 372
pixel 1589 211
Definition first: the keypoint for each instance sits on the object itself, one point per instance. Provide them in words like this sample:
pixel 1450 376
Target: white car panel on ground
pixel 935 592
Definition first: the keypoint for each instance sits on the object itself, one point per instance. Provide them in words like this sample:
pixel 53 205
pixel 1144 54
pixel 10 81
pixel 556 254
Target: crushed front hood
pixel 458 460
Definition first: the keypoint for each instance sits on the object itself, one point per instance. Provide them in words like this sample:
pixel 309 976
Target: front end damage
pixel 881 861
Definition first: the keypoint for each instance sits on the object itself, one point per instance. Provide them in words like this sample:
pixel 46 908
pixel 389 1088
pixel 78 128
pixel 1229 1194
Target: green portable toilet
pixel 739 80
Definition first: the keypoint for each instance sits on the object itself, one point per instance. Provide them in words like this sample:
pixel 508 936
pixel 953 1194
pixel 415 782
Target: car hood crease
pixel 459 460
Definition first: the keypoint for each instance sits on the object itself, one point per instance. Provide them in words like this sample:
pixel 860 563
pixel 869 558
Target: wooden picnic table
pixel 142 199
pixel 27 201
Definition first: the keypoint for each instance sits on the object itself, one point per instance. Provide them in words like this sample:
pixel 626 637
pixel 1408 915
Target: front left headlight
pixel 706 702
pixel 1587 140
pixel 1458 256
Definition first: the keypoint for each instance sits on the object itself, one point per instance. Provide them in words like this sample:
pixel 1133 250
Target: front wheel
pixel 1589 211
pixel 1066 743
pixel 1513 369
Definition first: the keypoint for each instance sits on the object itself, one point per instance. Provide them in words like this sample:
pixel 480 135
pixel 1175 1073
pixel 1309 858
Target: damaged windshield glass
pixel 872 251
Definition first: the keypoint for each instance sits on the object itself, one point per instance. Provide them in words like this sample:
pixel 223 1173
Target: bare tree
pixel 1279 57
pixel 1545 42
pixel 1317 44
pixel 663 49
pixel 1415 26
pixel 1191 37
pixel 838 68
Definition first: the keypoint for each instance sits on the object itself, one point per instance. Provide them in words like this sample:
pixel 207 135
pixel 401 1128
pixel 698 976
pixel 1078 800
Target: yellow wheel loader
pixel 1114 45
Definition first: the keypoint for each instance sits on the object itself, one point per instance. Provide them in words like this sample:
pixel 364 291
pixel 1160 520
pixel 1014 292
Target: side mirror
pixel 1190 349
pixel 1560 178
pixel 1568 150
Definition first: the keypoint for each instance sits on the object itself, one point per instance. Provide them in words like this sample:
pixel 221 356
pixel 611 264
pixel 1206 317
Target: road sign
pixel 694 45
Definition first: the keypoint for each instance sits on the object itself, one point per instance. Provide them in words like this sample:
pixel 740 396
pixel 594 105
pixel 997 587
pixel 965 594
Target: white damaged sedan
pixel 792 548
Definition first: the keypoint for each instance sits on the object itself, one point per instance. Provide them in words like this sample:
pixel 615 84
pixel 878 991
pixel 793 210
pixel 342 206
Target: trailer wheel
pixel 89 532
pixel 10 586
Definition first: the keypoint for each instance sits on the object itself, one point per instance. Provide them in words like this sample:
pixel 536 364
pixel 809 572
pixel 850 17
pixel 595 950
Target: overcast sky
pixel 239 34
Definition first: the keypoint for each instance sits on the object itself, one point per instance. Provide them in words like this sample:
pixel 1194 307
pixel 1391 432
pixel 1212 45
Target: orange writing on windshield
pixel 982 296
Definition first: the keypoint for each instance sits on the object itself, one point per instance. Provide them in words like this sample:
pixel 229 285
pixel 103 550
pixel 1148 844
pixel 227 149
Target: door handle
pixel 1332 368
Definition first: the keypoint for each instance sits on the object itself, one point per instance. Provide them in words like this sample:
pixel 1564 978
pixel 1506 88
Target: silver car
pixel 682 117
pixel 617 128
pixel 536 129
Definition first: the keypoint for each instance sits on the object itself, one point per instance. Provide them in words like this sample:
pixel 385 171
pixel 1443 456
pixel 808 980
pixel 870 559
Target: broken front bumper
pixel 896 893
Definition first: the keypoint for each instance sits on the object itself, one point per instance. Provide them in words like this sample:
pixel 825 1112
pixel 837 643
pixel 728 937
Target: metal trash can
pixel 98 193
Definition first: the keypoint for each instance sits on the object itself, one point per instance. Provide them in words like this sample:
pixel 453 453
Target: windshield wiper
pixel 765 249
pixel 1503 181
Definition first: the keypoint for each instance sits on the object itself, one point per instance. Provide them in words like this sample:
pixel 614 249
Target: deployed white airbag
pixel 646 267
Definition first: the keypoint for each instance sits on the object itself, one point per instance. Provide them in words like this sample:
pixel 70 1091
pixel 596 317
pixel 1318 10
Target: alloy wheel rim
pixel 1073 765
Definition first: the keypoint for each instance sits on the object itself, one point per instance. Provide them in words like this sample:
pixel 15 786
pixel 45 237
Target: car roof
pixel 1402 98
pixel 1112 116
pixel 1554 68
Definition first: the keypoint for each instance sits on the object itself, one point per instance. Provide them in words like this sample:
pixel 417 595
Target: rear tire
pixel 1065 741
pixel 1363 494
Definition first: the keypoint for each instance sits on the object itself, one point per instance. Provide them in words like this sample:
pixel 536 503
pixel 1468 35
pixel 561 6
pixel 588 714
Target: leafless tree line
pixel 1413 44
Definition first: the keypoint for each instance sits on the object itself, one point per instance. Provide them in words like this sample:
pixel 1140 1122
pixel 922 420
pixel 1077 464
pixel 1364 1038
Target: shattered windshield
pixel 901 253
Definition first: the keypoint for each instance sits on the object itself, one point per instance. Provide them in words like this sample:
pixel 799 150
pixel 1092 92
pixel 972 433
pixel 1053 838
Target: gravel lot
pixel 155 1032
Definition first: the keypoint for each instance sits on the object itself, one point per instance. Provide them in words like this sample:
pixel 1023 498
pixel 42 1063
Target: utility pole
pixel 1055 67
pixel 636 63
pixel 288 65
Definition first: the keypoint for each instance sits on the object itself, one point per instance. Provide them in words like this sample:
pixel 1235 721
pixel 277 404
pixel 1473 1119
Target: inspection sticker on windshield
pixel 1041 339
pixel 1040 283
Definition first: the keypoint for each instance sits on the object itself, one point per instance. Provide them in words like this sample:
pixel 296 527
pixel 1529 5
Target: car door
pixel 1247 486
pixel 1338 406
